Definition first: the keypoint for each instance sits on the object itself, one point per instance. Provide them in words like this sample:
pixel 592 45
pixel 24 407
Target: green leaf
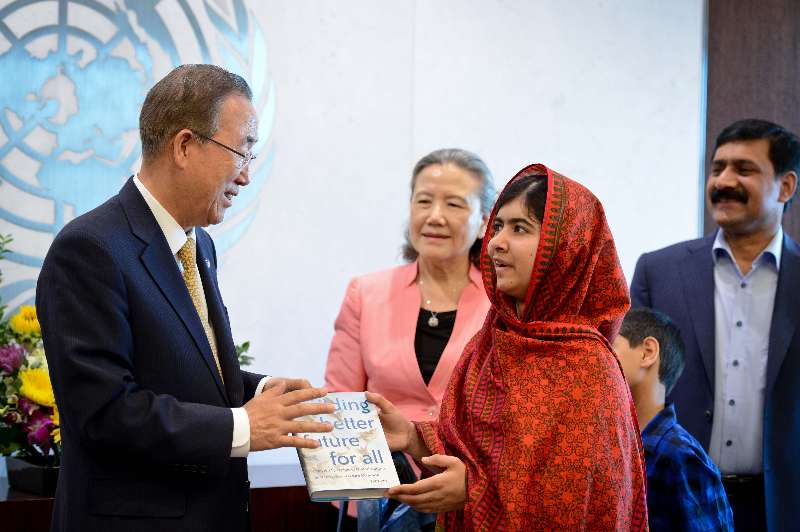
pixel 241 349
pixel 11 438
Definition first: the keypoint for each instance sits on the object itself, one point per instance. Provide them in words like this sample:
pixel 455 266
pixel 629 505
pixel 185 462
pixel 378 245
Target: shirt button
pixel 728 443
pixel 709 415
pixel 735 363
pixel 731 402
pixel 738 323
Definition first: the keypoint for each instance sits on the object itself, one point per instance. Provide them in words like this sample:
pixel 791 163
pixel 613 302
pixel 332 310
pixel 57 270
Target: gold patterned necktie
pixel 191 276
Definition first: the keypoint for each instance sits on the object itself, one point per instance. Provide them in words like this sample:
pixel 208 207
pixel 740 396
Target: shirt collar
pixel 772 251
pixel 658 426
pixel 173 232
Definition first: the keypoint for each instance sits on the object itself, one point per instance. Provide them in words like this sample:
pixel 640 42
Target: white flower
pixel 36 358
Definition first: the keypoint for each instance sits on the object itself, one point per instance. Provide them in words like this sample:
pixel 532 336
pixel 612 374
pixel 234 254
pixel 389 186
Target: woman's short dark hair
pixel 189 97
pixel 642 322
pixel 469 162
pixel 533 188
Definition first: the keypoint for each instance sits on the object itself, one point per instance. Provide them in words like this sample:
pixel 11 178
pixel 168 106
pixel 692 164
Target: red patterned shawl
pixel 538 408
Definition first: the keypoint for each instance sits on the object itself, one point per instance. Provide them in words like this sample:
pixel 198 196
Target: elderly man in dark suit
pixel 157 417
pixel 734 295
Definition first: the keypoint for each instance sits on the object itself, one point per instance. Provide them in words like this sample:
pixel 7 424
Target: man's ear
pixel 180 147
pixel 788 185
pixel 650 352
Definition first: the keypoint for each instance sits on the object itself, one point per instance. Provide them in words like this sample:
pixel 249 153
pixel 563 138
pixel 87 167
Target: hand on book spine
pixel 401 435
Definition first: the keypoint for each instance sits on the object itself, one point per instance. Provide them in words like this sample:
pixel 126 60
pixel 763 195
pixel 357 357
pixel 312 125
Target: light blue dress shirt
pixel 743 313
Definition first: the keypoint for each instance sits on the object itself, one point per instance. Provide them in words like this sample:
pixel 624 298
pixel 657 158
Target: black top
pixel 429 342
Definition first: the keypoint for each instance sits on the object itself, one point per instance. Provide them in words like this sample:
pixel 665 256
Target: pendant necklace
pixel 433 321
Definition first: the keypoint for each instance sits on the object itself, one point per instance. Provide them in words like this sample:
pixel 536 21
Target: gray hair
pixel 189 97
pixel 469 162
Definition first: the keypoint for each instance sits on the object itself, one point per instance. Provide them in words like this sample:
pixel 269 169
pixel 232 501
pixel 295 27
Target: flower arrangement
pixel 29 421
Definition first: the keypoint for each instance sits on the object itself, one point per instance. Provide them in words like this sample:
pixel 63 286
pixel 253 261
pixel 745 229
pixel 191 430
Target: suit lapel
pixel 697 273
pixel 785 313
pixel 219 322
pixel 406 298
pixel 162 267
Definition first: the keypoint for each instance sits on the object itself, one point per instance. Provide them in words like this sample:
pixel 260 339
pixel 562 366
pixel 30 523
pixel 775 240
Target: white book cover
pixel 353 461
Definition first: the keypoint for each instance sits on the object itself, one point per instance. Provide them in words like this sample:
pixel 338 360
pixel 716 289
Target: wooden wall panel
pixel 286 509
pixel 289 509
pixel 753 58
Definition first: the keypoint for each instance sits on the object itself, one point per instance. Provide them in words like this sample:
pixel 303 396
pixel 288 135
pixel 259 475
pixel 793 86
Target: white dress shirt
pixel 176 238
pixel 743 307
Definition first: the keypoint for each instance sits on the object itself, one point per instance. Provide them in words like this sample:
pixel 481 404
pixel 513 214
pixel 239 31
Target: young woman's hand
pixel 401 435
pixel 444 492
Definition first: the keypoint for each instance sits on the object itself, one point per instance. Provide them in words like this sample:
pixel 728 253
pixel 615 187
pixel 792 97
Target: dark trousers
pixel 746 497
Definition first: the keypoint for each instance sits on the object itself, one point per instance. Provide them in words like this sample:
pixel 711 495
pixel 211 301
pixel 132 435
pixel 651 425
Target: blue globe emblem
pixel 75 74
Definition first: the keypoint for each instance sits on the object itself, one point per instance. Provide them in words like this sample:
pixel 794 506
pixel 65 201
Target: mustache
pixel 728 193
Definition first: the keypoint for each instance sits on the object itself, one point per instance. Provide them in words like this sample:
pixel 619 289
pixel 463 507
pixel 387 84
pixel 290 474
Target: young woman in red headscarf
pixel 537 429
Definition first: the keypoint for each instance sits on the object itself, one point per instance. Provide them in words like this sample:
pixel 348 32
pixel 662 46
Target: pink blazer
pixel 373 346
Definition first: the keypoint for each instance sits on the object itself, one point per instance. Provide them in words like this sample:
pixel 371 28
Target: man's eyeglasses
pixel 245 157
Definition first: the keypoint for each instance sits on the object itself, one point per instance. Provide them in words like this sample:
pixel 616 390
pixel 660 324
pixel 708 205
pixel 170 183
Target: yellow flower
pixel 25 321
pixel 56 432
pixel 36 386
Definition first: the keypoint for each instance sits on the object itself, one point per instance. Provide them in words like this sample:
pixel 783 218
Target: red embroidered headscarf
pixel 537 407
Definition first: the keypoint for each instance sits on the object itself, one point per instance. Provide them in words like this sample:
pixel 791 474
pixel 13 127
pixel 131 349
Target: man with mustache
pixel 733 294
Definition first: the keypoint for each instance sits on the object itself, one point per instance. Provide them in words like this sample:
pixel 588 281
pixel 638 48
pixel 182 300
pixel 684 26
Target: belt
pixel 742 479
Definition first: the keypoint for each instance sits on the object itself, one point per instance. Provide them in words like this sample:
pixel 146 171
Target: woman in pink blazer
pixel 401 331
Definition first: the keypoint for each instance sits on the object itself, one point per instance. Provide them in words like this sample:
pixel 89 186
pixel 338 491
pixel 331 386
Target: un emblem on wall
pixel 75 74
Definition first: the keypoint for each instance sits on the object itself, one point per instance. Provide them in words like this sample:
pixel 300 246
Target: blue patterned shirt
pixel 684 490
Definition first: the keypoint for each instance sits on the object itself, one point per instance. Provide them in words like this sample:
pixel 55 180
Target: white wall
pixel 606 92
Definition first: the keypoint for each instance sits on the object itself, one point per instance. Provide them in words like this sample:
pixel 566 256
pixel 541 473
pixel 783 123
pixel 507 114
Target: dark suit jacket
pixel 146 421
pixel 679 281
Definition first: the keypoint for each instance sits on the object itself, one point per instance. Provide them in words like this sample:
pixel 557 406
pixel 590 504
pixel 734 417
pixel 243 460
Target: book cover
pixel 353 461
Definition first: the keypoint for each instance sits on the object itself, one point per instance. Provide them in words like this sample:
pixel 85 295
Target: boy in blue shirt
pixel 684 489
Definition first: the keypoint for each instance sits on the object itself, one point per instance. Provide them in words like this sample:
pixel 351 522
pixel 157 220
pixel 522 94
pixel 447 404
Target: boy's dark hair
pixel 640 323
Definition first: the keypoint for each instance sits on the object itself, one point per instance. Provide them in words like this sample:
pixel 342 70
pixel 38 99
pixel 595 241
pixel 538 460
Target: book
pixel 353 461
